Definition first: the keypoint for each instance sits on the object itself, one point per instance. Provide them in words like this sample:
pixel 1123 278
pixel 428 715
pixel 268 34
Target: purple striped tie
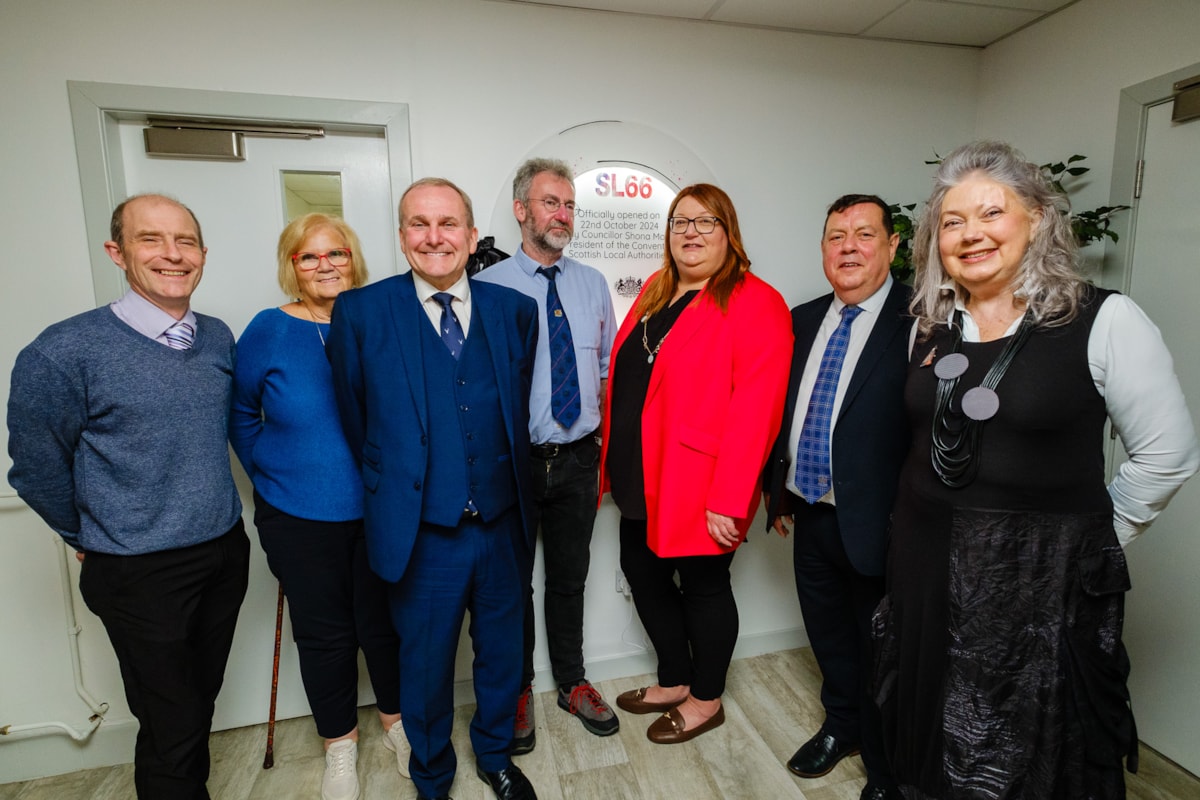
pixel 180 336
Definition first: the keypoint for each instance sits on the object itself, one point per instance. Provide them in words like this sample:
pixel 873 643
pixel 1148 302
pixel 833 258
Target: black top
pixel 626 477
pixel 1044 448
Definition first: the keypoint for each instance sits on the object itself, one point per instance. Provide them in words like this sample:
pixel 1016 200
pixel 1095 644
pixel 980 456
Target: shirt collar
pixel 425 290
pixel 530 267
pixel 146 318
pixel 872 304
pixel 970 329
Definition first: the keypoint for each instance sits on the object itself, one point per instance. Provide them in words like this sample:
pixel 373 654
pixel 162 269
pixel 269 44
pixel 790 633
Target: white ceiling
pixel 970 23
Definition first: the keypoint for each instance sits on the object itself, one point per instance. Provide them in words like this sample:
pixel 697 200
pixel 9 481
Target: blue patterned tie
pixel 450 328
pixel 564 374
pixel 180 336
pixel 812 456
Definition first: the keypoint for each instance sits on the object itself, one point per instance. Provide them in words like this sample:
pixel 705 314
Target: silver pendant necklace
pixel 650 354
pixel 957 435
pixel 316 324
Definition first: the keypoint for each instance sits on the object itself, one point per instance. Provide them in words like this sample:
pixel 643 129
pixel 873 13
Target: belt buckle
pixel 547 451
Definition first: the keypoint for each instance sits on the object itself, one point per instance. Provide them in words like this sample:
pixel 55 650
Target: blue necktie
pixel 564 374
pixel 450 328
pixel 180 336
pixel 812 456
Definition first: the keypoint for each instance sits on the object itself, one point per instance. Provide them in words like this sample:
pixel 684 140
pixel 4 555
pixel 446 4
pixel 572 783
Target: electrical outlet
pixel 622 584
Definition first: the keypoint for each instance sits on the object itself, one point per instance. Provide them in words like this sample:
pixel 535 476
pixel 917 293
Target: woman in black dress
pixel 1001 669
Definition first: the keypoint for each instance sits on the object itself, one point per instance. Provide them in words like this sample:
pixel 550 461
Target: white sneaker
pixel 397 742
pixel 341 772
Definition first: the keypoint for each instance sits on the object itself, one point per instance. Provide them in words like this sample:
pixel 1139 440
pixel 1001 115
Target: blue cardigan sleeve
pixel 255 351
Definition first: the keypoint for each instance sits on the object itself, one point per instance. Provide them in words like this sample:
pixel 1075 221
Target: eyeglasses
pixel 552 204
pixel 309 261
pixel 703 224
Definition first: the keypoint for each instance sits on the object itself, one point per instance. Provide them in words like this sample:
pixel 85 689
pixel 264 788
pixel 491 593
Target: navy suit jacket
pixel 870 435
pixel 374 347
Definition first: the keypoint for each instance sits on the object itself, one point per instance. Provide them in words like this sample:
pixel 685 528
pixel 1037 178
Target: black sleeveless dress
pixel 1000 670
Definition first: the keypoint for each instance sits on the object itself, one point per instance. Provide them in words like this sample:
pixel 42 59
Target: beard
pixel 553 239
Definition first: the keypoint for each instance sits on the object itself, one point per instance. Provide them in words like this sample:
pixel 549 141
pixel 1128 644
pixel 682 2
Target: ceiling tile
pixel 1034 5
pixel 972 23
pixel 951 23
pixel 692 9
pixel 826 16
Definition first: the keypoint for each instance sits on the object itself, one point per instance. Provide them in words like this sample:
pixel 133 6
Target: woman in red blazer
pixel 695 398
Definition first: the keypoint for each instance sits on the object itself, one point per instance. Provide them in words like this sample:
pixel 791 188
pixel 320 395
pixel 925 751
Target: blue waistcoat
pixel 469 454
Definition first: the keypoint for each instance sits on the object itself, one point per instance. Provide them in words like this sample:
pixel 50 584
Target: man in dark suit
pixel 432 375
pixel 833 473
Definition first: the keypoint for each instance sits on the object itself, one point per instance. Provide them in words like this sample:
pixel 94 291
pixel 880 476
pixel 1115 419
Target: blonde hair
pixel 297 232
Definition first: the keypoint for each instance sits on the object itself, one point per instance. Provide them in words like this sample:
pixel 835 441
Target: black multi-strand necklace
pixel 956 434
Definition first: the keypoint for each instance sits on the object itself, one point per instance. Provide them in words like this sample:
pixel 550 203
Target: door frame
pixel 1135 103
pixel 98 108
pixel 1159 716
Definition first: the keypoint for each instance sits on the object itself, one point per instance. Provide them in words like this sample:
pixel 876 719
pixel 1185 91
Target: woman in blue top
pixel 308 496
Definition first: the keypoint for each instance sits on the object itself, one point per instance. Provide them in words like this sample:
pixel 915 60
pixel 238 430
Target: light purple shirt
pixel 146 318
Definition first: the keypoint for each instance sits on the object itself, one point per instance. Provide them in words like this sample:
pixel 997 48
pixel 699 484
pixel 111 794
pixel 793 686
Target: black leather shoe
pixel 819 755
pixel 873 791
pixel 508 784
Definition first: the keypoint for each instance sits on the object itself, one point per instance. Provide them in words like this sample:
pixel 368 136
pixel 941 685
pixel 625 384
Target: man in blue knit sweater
pixel 117 431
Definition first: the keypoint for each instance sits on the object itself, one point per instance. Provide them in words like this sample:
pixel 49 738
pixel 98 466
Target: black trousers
pixel 337 605
pixel 693 626
pixel 837 602
pixel 170 617
pixel 564 489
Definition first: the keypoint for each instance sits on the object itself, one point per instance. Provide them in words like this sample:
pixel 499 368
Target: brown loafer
pixel 634 701
pixel 669 728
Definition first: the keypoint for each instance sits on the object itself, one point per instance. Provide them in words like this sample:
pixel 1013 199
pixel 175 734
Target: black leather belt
pixel 548 451
pixel 469 515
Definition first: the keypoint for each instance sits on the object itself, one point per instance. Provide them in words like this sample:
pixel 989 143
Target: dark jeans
pixel 837 603
pixel 693 626
pixel 565 491
pixel 170 617
pixel 337 605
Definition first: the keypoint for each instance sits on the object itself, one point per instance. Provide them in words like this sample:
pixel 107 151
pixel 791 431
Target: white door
pixel 1162 625
pixel 241 209
pixel 240 205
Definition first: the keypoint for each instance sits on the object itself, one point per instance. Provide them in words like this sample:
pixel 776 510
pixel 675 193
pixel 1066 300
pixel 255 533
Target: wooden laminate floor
pixel 771 707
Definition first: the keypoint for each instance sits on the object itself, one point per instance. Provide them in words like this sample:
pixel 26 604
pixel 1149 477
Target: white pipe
pixel 73 630
pixel 53 727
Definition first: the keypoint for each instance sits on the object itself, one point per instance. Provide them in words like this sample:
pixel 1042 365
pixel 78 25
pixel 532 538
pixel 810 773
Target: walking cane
pixel 269 758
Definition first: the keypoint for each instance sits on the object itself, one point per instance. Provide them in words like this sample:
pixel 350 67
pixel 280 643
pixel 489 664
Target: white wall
pixel 786 122
pixel 1053 89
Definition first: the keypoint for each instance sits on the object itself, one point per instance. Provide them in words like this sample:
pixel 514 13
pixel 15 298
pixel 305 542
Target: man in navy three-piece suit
pixel 432 375
pixel 834 469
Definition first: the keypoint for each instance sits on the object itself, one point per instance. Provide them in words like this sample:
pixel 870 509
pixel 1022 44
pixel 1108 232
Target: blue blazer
pixel 870 436
pixel 379 381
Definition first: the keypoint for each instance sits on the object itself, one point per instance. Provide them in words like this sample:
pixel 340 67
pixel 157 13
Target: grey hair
pixel 534 167
pixel 1048 278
